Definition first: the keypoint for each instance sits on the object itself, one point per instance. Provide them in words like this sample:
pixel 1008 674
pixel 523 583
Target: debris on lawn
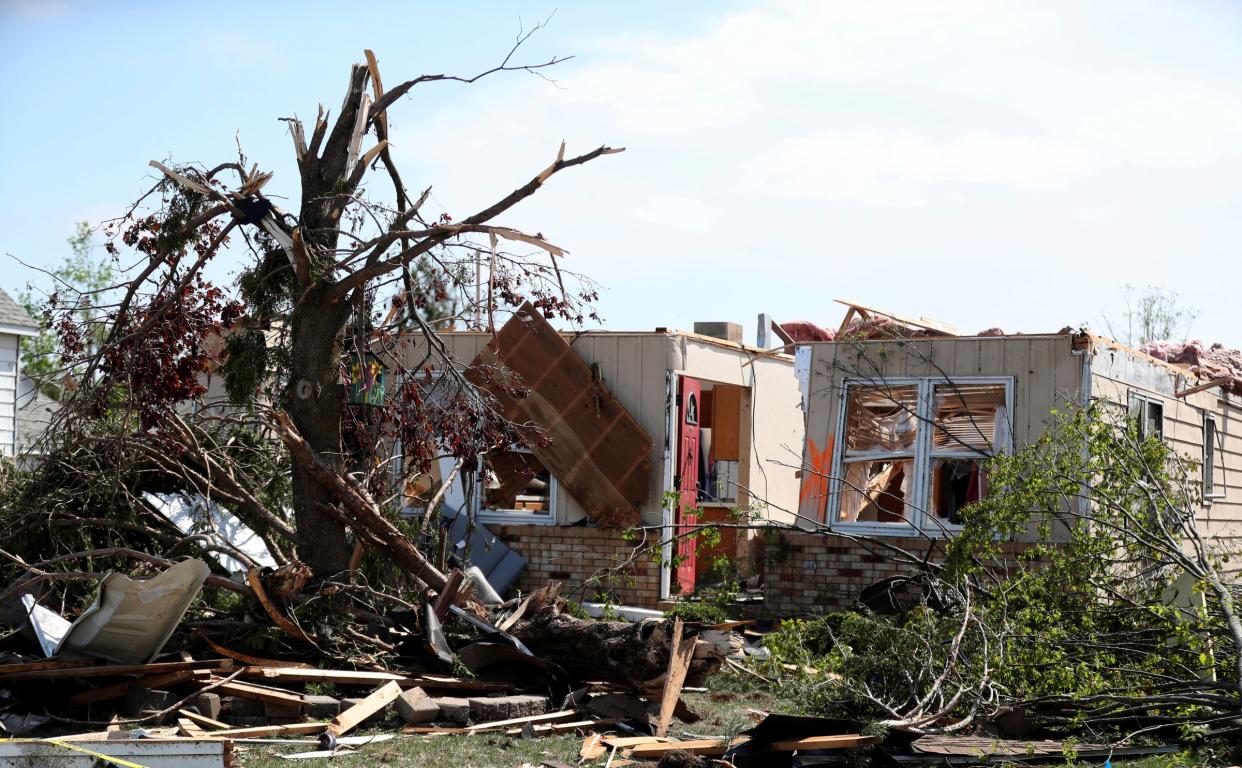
pixel 152 688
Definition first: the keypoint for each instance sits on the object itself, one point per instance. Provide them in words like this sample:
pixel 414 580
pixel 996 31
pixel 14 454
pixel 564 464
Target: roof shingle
pixel 13 314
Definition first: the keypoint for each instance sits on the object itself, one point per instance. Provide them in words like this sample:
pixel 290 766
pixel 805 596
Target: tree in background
pixel 76 284
pixel 1155 314
pixel 308 340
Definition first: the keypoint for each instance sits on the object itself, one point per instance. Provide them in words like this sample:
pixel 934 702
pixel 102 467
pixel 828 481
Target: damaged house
pixel 642 426
pixel 903 413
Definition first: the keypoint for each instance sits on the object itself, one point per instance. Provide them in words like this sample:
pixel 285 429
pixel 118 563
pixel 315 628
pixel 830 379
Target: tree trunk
pixel 316 403
pixel 317 395
pixel 632 654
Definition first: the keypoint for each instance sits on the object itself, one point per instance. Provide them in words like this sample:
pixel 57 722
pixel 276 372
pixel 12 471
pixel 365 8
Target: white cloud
pixel 1059 135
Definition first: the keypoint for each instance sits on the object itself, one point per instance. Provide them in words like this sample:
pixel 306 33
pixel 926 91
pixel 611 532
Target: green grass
pixel 456 751
pixel 723 709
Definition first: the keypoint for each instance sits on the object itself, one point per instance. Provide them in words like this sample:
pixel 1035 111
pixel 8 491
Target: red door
pixel 687 480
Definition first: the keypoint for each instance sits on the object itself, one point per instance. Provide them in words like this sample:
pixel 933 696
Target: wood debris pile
pixel 524 669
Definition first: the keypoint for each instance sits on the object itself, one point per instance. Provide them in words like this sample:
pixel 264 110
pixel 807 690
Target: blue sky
pixel 985 164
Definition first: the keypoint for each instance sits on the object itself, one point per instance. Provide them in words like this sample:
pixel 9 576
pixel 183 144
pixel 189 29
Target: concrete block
pixel 143 700
pixel 486 709
pixel 241 707
pixel 206 704
pixel 274 709
pixel 453 709
pixel 415 706
pixel 321 706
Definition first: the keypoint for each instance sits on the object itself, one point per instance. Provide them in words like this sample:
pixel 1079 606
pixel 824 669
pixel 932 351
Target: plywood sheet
pixel 598 452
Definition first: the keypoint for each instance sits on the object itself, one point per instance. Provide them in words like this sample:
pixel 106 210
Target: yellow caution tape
pixel 91 752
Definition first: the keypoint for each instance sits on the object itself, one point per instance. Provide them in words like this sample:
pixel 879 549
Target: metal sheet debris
pixel 130 620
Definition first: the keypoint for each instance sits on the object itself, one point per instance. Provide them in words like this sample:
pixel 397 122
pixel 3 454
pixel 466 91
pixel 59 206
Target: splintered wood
pixel 681 652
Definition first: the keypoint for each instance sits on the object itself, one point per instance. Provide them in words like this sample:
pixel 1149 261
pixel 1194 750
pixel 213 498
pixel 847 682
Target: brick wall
pixel 807 574
pixel 574 555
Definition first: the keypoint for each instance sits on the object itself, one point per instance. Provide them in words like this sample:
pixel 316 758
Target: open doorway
pixel 710 432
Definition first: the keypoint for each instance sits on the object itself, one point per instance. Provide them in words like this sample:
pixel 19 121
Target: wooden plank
pixel 203 719
pixel 190 729
pixel 680 653
pixel 113 670
pixel 563 714
pixel 923 322
pixel 1201 387
pixel 335 676
pixel 39 666
pixel 709 747
pixel 449 593
pixel 350 718
pixel 633 741
pixel 593 748
pixel 839 741
pixel 440 683
pixel 270 730
pixel 261 693
pixel 552 729
pixel 117 690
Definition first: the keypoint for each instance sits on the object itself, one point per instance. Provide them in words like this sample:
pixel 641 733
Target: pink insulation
pixel 1212 362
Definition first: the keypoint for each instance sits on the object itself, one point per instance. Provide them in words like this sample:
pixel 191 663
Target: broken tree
pixel 299 346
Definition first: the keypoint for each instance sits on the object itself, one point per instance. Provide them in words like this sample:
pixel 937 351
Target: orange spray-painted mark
pixel 815 476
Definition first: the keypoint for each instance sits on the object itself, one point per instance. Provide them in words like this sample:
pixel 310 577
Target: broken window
pixel 516 487
pixel 970 422
pixel 882 428
pixel 1148 416
pixel 916 451
pixel 1209 457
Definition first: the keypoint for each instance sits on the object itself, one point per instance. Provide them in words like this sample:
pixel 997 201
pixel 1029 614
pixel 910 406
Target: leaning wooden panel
pixel 598 452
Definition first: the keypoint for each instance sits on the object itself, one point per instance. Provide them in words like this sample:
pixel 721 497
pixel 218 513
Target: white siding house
pixel 14 324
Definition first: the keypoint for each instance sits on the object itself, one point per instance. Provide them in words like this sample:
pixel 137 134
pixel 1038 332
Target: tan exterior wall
pixel 634 368
pixel 1044 370
pixel 1116 372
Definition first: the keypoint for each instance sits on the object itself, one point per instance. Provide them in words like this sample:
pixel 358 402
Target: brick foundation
pixel 807 574
pixel 574 554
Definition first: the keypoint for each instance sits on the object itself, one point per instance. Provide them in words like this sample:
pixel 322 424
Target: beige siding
pixel 635 367
pixel 1044 370
pixel 1118 372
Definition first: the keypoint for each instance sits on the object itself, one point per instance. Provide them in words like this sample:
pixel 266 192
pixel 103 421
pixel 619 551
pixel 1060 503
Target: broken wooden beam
pixel 352 717
pixel 106 670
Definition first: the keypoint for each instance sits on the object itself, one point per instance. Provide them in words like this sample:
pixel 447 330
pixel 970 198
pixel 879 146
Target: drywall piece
pixel 598 452
pixel 199 516
pixel 49 627
pixel 130 620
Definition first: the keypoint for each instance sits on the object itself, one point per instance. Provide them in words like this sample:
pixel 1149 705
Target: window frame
pixel 1210 491
pixel 1145 401
pixel 922 522
pixel 489 516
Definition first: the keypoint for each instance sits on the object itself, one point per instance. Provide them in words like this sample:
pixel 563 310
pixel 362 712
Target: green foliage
pixel 80 280
pixel 703 612
pixel 245 365
pixel 1079 615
